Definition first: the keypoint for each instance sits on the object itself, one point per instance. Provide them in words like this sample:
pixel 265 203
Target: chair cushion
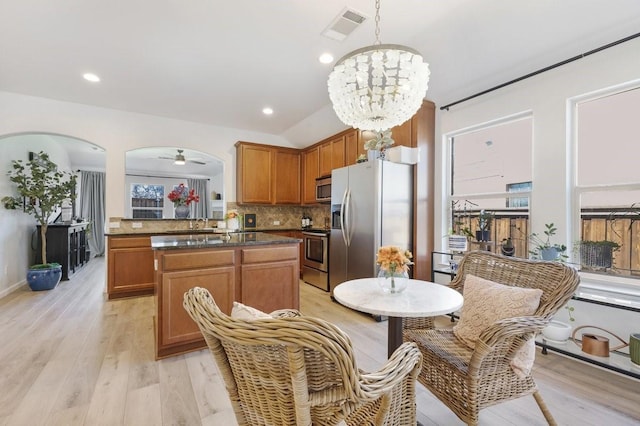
pixel 486 302
pixel 246 312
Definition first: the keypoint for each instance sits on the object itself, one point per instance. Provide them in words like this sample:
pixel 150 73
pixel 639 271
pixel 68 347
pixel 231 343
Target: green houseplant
pixel 485 218
pixel 597 255
pixel 42 189
pixel 542 248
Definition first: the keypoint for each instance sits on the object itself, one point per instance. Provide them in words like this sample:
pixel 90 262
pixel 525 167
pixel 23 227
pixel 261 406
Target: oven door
pixel 315 251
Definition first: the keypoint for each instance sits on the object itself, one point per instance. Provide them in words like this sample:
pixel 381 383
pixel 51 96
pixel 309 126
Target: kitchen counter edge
pixel 211 240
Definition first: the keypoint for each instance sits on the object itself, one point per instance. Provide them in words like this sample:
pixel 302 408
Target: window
pixel 607 182
pixel 147 201
pixel 488 164
pixel 518 187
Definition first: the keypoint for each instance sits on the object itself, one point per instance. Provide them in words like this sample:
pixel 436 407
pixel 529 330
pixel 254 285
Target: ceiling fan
pixel 180 159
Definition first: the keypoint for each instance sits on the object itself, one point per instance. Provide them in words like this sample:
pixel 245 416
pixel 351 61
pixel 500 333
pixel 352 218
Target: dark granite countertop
pixel 211 240
pixel 209 231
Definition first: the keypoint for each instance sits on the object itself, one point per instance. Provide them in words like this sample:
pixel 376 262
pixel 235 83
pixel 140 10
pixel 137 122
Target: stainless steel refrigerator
pixel 371 206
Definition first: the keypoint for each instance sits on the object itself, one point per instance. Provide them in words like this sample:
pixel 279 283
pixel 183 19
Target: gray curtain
pixel 200 209
pixel 92 208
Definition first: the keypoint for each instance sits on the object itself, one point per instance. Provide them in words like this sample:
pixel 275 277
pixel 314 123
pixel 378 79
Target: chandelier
pixel 378 87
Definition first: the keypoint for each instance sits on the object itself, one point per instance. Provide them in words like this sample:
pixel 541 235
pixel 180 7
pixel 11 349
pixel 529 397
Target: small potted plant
pixel 507 248
pixel 485 218
pixel 543 248
pixel 558 331
pixel 42 189
pixel 597 255
pixel 375 147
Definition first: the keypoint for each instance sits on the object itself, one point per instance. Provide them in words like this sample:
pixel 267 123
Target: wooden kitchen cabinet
pixel 176 332
pixel 286 173
pixel 293 234
pixel 402 134
pixel 254 174
pixel 130 266
pixel 267 174
pixel 264 276
pixel 353 147
pixel 331 155
pixel 310 160
pixel 270 278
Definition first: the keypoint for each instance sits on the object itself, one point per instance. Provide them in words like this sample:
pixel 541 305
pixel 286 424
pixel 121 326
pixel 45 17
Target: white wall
pixel 116 132
pixel 546 95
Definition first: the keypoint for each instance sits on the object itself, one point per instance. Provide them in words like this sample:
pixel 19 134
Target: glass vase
pixel 393 282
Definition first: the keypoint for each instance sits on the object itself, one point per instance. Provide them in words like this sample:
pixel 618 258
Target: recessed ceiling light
pixel 267 111
pixel 326 58
pixel 91 77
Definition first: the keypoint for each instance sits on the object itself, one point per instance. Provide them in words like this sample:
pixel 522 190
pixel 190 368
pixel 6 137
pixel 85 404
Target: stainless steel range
pixel 315 265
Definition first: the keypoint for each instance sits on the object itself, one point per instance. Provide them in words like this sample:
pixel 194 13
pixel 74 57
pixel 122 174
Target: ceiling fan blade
pixel 197 162
pixel 167 158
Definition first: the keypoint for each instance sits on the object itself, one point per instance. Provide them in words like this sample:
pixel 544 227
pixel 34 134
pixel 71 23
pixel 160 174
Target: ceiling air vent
pixel 344 24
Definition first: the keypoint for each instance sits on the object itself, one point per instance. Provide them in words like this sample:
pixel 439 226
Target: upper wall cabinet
pixel 267 174
pixel 331 155
pixel 354 147
pixel 286 176
pixel 310 160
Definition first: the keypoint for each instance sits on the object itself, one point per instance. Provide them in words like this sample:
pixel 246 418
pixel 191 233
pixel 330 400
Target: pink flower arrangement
pixel 181 196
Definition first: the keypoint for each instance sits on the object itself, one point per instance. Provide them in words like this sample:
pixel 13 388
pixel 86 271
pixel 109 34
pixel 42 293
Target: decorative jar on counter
pixel 233 220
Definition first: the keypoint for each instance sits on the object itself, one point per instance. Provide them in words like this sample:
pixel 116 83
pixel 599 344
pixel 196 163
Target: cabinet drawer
pixel 115 243
pixel 197 260
pixel 271 254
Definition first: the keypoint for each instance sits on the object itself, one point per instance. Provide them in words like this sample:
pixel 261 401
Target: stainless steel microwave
pixel 323 189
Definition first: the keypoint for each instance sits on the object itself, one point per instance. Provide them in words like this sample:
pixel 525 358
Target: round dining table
pixel 419 299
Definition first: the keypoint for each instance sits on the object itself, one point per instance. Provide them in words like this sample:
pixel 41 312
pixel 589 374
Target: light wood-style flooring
pixel 70 357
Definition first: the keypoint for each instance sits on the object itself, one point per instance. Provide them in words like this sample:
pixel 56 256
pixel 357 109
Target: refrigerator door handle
pixel 347 220
pixel 342 221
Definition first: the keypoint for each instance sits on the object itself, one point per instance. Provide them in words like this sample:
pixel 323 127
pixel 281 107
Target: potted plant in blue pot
pixel 42 189
pixel 542 248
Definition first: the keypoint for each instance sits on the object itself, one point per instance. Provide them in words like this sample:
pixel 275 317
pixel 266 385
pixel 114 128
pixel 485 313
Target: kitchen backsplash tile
pixel 288 216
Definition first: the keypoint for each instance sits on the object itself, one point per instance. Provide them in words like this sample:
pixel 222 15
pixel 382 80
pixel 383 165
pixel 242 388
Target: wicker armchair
pixel 297 370
pixel 468 380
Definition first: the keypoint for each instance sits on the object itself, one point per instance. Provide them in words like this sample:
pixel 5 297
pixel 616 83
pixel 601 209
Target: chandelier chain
pixel 380 86
pixel 377 20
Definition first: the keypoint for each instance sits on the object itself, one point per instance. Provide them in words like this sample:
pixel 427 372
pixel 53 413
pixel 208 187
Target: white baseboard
pixel 7 291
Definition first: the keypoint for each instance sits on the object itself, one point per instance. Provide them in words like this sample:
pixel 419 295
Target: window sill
pixel 610 290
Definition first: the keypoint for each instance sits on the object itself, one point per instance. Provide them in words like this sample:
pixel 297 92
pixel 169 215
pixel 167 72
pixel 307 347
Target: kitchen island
pixel 130 256
pixel 254 268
